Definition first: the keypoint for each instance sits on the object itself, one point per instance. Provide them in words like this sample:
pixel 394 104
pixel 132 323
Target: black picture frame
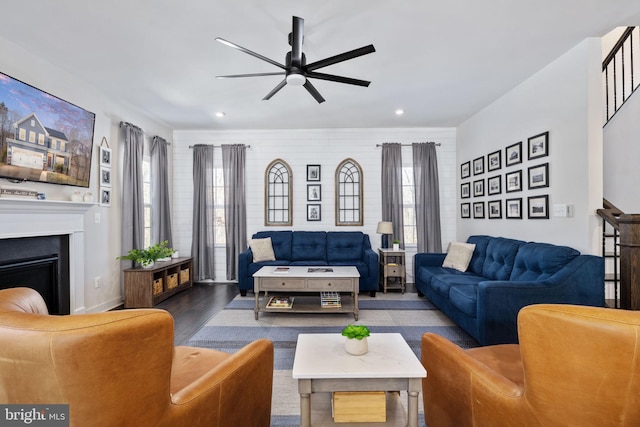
pixel 478 188
pixel 465 210
pixel 494 185
pixel 538 146
pixel 465 170
pixel 314 192
pixel 478 166
pixel 465 190
pixel 478 210
pixel 513 208
pixel 538 176
pixel 313 173
pixel 538 207
pixel 494 209
pixel 314 212
pixel 513 181
pixel 494 161
pixel 513 154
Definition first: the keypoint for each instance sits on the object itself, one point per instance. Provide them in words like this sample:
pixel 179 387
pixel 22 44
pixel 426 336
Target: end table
pixel 391 268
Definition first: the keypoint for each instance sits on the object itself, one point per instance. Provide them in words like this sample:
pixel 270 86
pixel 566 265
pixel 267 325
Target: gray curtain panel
pixel 132 197
pixel 392 189
pixel 202 243
pixel 425 177
pixel 160 204
pixel 235 208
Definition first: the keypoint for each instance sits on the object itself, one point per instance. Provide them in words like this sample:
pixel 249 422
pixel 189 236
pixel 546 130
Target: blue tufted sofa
pixel 503 276
pixel 339 248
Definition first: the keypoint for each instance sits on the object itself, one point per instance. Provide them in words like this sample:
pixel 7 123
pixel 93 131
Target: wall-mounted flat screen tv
pixel 42 137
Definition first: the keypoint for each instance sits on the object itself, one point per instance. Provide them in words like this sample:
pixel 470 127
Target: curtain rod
pixel 123 123
pixel 216 146
pixel 438 144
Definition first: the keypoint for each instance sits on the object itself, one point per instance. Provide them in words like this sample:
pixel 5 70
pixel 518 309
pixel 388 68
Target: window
pixel 32 136
pixel 22 134
pixel 278 196
pixel 146 197
pixel 349 193
pixel 409 206
pixel 40 139
pixel 219 234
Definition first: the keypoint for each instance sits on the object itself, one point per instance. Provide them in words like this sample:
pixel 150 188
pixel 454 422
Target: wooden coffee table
pixel 322 365
pixel 310 281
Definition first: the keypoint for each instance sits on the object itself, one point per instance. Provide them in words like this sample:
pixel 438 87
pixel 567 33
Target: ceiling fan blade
pixel 338 79
pixel 313 91
pixel 296 42
pixel 233 76
pixel 247 51
pixel 341 57
pixel 275 90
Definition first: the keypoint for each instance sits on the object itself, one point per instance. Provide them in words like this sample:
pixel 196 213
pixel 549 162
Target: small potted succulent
pixel 146 258
pixel 356 339
pixel 396 244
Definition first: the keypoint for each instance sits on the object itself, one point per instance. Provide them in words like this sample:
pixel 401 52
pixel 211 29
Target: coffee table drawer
pixel 277 283
pixel 335 285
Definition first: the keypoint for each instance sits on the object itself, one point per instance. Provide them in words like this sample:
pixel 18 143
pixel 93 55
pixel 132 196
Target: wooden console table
pixel 146 287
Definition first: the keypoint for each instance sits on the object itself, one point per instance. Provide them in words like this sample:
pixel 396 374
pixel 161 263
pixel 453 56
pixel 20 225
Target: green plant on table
pixel 146 257
pixel 356 331
pixel 396 242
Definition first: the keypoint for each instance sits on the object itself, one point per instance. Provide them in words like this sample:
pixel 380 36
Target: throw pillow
pixel 459 255
pixel 262 250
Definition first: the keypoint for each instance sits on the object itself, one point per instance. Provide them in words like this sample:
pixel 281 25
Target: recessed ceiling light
pixel 399 112
pixel 220 114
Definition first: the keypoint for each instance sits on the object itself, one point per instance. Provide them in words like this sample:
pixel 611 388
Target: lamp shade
pixel 385 227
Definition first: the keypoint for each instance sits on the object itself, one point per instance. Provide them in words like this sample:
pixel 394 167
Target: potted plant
pixel 356 339
pixel 396 244
pixel 146 258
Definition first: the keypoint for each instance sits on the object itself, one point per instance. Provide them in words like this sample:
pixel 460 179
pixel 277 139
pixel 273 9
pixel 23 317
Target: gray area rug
pixel 235 326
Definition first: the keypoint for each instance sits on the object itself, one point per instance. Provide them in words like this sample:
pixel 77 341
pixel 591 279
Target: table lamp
pixel 385 228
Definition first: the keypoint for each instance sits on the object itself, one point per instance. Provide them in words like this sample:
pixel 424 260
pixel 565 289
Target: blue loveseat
pixel 503 276
pixel 314 248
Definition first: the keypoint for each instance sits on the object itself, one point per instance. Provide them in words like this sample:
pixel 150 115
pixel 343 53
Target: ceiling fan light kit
pixel 296 71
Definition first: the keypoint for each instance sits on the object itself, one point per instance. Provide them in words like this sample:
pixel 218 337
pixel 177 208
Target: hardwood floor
pixel 193 307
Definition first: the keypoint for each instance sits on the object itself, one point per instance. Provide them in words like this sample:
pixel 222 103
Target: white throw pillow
pixel 459 255
pixel 262 250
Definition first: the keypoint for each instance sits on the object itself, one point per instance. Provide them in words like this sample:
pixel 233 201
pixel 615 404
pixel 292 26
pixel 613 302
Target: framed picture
pixel 478 210
pixel 105 176
pixel 494 160
pixel 313 172
pixel 105 156
pixel 539 145
pixel 513 154
pixel 494 185
pixel 513 181
pixel 478 166
pixel 465 170
pixel 465 210
pixel 539 207
pixel 495 209
pixel 314 192
pixel 313 212
pixel 539 176
pixel 513 208
pixel 478 188
pixel 105 197
pixel 465 190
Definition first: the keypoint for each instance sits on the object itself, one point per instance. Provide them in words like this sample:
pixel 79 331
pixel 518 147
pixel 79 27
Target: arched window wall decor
pixel 278 193
pixel 349 193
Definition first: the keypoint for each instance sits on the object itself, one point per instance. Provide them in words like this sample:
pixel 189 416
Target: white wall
pixel 326 147
pixel 102 240
pixel 563 98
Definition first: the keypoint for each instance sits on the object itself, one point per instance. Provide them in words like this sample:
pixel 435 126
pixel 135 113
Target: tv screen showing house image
pixel 43 138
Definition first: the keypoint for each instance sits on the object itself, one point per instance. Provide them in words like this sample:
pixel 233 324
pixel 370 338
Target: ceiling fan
pixel 296 70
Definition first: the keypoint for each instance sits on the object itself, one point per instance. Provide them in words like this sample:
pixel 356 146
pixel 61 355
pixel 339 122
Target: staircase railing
pixel 619 70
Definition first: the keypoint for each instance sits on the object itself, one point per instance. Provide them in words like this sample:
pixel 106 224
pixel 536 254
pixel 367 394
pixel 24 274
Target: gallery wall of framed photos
pixel 492 186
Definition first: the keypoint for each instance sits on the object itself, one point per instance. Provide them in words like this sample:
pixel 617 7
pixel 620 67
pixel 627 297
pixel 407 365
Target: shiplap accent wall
pixel 299 148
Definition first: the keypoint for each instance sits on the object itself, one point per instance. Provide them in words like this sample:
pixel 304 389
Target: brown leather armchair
pixel 574 366
pixel 121 368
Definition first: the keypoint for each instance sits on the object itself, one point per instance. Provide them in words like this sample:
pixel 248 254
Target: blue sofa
pixel 313 248
pixel 503 276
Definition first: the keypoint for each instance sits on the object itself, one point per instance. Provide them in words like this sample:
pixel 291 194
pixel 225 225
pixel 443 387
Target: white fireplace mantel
pixel 29 218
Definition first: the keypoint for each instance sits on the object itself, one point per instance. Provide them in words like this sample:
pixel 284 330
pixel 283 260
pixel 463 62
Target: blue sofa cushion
pixel 538 261
pixel 344 246
pixel 281 242
pixel 500 256
pixel 479 253
pixel 362 266
pixel 309 246
pixel 465 299
pixel 443 283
